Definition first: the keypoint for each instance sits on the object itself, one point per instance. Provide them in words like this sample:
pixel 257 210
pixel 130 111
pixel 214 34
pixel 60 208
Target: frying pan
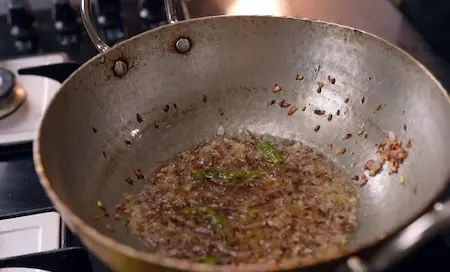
pixel 91 138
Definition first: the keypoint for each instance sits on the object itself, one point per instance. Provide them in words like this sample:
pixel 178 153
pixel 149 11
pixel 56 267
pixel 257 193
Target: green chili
pixel 271 153
pixel 208 260
pixel 216 219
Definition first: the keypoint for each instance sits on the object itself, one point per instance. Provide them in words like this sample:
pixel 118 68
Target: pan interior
pixel 100 128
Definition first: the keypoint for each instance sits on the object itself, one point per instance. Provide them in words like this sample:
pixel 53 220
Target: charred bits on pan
pixel 346 136
pixel 331 79
pixel 292 111
pixel 276 88
pixel 299 77
pixel 138 174
pixel 129 181
pixel 284 104
pixel 389 150
pixel 139 118
pixel 319 87
pixel 319 112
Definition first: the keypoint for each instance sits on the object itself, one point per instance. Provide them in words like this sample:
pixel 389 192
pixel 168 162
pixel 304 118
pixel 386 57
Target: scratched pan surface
pixel 82 155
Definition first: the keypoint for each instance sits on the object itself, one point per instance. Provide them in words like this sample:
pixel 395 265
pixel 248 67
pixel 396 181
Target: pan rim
pixel 78 225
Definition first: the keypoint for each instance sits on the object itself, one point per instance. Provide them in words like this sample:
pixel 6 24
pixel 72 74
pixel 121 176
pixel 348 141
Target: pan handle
pixel 420 231
pixel 86 16
pixel 171 14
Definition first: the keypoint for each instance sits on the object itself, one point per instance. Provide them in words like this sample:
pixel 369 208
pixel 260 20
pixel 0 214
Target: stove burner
pixel 12 94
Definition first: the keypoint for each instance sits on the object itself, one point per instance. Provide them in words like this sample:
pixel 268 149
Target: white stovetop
pixel 21 126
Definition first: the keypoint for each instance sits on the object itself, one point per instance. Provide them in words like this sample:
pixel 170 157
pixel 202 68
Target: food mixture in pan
pixel 249 200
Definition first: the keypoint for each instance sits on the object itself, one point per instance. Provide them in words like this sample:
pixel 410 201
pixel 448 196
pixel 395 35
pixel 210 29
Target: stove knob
pixel 23 26
pixel 110 20
pixel 6 86
pixel 65 23
pixel 152 13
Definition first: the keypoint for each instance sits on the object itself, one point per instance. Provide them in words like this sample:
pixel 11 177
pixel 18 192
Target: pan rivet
pixel 120 68
pixel 183 45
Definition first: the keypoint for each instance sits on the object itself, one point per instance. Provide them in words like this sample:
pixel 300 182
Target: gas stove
pixel 37 33
pixel 32 233
pixel 23 98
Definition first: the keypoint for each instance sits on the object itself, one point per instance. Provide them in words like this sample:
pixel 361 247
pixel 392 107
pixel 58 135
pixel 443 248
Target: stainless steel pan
pixel 81 155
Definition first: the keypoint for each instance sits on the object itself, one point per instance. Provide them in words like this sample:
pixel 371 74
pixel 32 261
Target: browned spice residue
pixel 338 112
pixel 138 174
pixel 331 79
pixel 276 88
pixel 156 124
pixel 284 104
pixel 139 118
pixel 272 102
pixel 221 111
pixel 329 117
pixel 120 208
pixel 346 136
pixel 364 180
pixel 166 108
pixel 204 98
pixel 129 181
pixel 292 111
pixel 94 130
pixel 378 107
pixel 346 100
pixel 319 87
pixel 389 150
pixel 404 127
pixel 340 151
pixel 317 128
pixel 374 167
pixel 128 142
pixel 303 108
pixel 330 146
pixel 192 207
pixel 299 77
pixel 319 112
